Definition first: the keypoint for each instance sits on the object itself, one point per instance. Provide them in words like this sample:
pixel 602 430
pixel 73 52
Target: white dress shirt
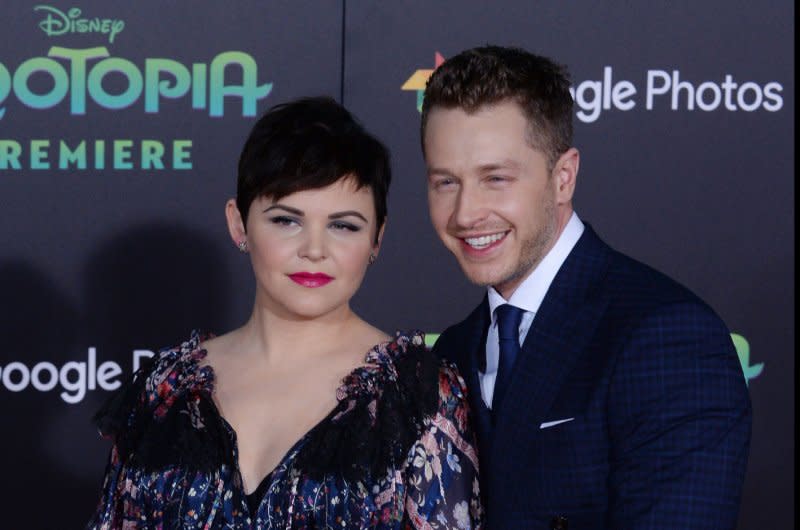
pixel 528 296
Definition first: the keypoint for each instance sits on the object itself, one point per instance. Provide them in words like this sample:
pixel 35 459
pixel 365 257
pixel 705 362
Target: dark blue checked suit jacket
pixel 662 416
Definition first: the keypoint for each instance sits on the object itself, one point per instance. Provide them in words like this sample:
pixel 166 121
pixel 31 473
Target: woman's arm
pixel 107 515
pixel 442 490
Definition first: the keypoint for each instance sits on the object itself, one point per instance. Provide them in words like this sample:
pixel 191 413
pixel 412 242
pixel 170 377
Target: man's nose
pixel 470 207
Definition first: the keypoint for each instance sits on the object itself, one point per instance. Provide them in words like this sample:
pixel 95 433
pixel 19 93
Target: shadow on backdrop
pixel 150 286
pixel 38 324
pixel 145 289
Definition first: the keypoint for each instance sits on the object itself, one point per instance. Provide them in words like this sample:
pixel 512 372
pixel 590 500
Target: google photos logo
pixel 751 371
pixel 419 78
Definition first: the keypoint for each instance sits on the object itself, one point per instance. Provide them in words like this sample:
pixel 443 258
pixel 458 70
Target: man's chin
pixel 482 278
pixel 504 282
pixel 486 273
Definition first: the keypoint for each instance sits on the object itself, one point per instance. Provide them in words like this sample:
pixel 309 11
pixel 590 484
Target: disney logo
pixel 59 23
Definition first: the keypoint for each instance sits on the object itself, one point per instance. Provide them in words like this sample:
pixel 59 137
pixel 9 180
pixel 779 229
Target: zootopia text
pixel 159 79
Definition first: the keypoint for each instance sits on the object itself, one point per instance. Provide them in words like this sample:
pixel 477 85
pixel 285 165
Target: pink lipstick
pixel 310 279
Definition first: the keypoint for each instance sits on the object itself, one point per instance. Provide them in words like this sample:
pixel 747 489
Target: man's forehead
pixel 501 128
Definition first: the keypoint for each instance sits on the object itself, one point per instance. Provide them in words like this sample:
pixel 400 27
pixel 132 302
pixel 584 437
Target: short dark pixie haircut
pixel 493 74
pixel 310 143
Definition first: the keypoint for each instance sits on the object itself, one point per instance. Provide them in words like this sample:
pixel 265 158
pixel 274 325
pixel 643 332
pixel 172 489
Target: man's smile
pixel 484 242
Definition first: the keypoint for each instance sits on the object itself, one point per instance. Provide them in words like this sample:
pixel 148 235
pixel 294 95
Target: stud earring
pixel 372 258
pixel 242 245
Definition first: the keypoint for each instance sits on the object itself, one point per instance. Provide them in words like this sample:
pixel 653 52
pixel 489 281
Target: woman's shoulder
pixel 403 363
pixel 435 381
pixel 450 388
pixel 158 380
pixel 383 407
pixel 414 361
pixel 165 412
pixel 406 360
pixel 179 368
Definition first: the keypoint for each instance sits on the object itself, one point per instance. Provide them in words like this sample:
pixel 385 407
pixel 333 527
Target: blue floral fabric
pixel 433 486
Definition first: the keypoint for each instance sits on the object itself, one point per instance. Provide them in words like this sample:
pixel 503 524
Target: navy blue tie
pixel 508 319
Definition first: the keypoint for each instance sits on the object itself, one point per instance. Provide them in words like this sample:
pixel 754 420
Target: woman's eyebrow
pixel 339 215
pixel 289 209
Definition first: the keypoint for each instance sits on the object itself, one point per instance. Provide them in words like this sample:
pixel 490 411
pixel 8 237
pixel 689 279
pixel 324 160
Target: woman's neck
pixel 278 337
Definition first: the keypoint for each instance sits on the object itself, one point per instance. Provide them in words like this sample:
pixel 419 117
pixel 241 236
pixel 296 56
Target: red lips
pixel 310 279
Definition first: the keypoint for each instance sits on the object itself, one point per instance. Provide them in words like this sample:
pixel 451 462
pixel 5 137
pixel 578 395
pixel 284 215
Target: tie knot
pixel 508 319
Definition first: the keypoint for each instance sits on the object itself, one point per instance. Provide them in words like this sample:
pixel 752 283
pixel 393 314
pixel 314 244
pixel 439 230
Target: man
pixel 605 395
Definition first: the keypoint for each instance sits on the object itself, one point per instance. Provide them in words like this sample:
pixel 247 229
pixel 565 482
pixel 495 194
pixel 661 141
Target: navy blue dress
pixel 397 452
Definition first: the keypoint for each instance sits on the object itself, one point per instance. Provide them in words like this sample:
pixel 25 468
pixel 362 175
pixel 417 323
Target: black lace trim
pixel 366 434
pixel 357 444
pixel 173 440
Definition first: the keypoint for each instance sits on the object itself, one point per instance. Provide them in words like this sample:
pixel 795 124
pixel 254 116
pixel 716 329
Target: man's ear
pixel 236 226
pixel 565 173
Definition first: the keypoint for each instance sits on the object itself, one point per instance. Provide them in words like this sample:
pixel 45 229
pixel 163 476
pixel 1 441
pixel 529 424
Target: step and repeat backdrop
pixel 121 126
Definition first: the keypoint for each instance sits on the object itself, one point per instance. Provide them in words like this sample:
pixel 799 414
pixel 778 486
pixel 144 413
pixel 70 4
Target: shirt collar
pixel 531 291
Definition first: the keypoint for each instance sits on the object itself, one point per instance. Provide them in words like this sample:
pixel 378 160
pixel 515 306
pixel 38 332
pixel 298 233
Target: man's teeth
pixel 483 241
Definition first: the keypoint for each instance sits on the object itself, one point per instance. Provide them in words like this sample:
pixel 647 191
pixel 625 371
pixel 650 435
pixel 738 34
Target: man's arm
pixel 679 423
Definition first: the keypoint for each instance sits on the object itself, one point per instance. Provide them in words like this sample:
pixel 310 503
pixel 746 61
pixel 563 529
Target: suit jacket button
pixel 559 523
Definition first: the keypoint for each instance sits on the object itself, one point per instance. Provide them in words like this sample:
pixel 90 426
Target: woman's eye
pixel 283 221
pixel 340 225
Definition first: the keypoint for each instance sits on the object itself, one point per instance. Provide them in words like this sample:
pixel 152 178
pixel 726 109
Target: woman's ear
pixel 236 225
pixel 376 247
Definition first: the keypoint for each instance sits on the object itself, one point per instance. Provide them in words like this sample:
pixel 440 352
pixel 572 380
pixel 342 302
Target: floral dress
pixel 397 452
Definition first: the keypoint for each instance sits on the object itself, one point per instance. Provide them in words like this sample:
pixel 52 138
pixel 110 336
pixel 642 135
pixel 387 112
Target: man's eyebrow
pixel 289 209
pixel 483 168
pixel 503 164
pixel 339 215
pixel 439 171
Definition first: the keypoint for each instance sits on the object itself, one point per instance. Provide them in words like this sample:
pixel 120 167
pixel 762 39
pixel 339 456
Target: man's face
pixel 493 201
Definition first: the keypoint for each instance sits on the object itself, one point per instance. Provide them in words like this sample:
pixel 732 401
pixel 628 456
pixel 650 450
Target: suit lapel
pixel 474 348
pixel 559 334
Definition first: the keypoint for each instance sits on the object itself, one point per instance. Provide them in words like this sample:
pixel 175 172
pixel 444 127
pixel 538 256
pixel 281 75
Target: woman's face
pixel 310 249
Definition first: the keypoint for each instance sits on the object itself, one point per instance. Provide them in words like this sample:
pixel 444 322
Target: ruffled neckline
pixel 379 365
pixel 167 415
pixel 381 409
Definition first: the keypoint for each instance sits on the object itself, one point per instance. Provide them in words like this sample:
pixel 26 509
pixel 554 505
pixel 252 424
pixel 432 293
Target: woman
pixel 306 416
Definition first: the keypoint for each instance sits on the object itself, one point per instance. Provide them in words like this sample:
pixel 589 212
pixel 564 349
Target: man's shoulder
pixel 616 275
pixel 454 338
pixel 637 291
pixel 629 281
pixel 631 289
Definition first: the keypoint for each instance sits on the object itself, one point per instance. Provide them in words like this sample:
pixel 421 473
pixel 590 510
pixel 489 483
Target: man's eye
pixel 443 182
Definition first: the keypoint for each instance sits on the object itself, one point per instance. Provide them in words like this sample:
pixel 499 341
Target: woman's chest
pixel 180 499
pixel 266 424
